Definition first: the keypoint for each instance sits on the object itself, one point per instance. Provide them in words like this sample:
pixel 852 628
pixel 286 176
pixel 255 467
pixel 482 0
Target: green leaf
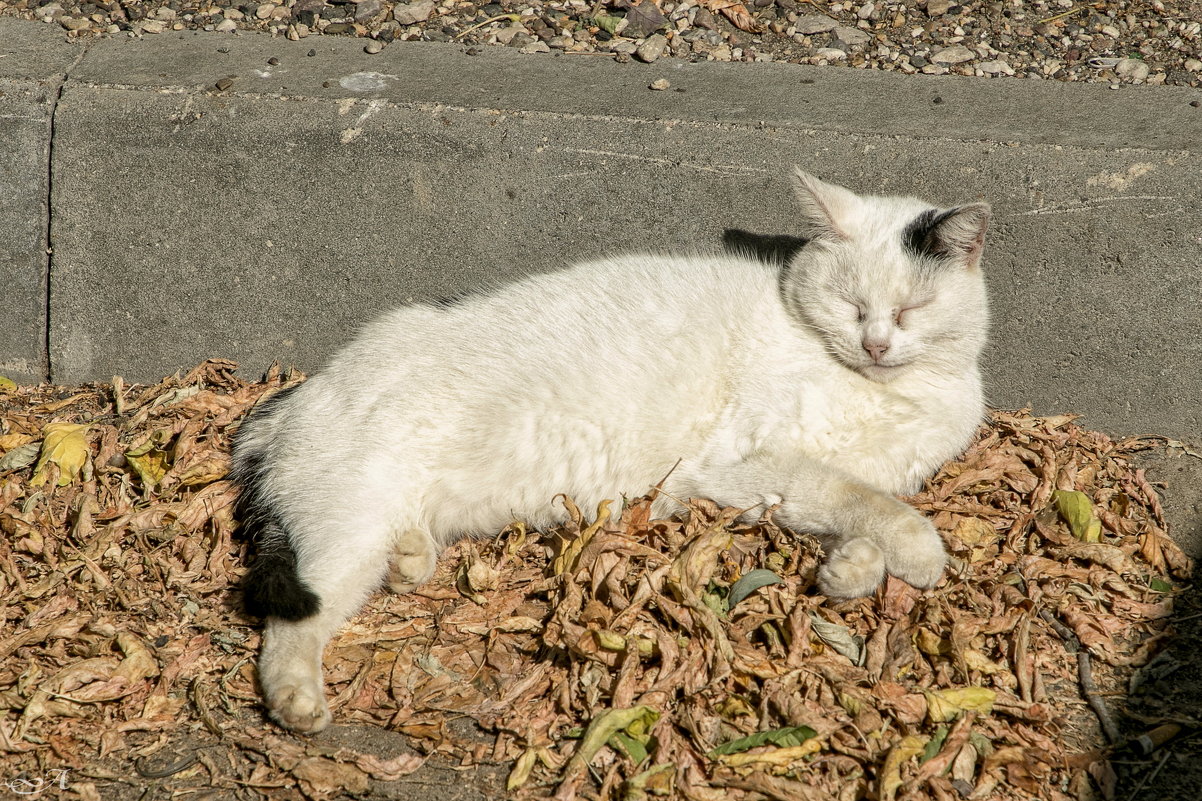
pixel 750 582
pixel 786 737
pixel 635 722
pixel 840 639
pixel 607 22
pixel 634 749
pixel 1160 585
pixel 932 748
pixel 1077 510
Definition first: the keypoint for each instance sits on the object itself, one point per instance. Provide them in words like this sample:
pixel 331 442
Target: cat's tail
pixel 272 587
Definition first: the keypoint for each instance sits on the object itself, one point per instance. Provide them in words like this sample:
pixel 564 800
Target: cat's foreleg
pixel 865 532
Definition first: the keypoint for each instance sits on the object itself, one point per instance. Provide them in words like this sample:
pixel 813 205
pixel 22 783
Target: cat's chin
pixel 882 373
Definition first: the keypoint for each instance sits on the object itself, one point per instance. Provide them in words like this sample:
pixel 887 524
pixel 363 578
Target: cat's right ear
pixel 823 206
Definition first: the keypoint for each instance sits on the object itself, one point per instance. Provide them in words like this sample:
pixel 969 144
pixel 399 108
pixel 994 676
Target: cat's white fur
pixel 443 421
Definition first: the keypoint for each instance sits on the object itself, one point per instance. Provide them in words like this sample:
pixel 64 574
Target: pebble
pixel 996 67
pixel 831 53
pixel 373 46
pixel 814 23
pixel 652 48
pixel 1132 68
pixel 411 13
pixel 851 36
pixel 659 84
pixel 998 38
pixel 956 54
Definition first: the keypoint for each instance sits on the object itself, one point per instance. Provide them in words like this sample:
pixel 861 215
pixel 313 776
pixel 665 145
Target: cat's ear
pixel 956 234
pixel 823 206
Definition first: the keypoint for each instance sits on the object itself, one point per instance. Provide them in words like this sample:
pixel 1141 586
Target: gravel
pixel 1117 41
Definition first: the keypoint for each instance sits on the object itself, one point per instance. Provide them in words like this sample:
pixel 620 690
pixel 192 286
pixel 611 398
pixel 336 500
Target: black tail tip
pixel 273 589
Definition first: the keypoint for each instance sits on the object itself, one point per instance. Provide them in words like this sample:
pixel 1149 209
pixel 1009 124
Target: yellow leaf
pixel 973 531
pixel 10 441
pixel 945 705
pixel 781 757
pixel 566 561
pixel 910 746
pixel 7 384
pixel 932 644
pixel 63 444
pixel 1077 510
pixel 150 467
pixel 521 769
pixel 204 472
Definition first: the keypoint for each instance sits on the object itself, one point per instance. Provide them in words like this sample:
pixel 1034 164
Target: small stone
pixel 1111 31
pixel 660 84
pixel 232 13
pixel 1132 68
pixel 226 26
pixel 956 54
pixel 866 10
pixel 705 19
pixel 1195 104
pixel 504 35
pixel 373 46
pixel 995 67
pixel 74 23
pixel 165 14
pixel 814 23
pixel 851 36
pixel 918 61
pixel 367 9
pixel 561 42
pixel 264 11
pixel 223 84
pixel 937 8
pixel 413 13
pixel 830 53
pixel 535 47
pixel 339 28
pixel 1193 65
pixel 652 48
pixel 273 62
pixel 153 26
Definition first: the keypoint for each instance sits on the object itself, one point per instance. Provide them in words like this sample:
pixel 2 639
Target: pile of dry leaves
pixel 617 657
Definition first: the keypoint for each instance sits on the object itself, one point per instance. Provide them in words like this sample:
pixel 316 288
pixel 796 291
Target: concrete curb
pixel 264 221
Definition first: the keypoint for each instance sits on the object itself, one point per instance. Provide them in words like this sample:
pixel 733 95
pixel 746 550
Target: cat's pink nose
pixel 875 349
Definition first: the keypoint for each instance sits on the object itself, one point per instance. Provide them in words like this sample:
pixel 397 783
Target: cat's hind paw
pixel 299 707
pixel 853 569
pixel 414 558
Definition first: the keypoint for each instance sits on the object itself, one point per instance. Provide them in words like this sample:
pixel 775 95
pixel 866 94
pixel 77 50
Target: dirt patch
pixel 616 657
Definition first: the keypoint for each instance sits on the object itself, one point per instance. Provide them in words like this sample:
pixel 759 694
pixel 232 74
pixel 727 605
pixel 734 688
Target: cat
pixel 824 386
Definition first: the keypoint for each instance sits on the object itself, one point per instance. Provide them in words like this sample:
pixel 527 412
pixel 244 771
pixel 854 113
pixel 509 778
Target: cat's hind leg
pixel 340 572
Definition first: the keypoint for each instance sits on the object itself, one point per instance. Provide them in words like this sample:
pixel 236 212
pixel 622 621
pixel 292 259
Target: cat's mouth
pixel 883 371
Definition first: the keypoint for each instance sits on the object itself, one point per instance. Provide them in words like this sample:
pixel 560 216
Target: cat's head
pixel 890 284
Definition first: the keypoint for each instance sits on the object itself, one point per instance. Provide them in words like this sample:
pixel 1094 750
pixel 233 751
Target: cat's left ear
pixel 956 234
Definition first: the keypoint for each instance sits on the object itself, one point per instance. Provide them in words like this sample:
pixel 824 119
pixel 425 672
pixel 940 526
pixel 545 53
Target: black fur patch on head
pixel 921 236
pixel 272 587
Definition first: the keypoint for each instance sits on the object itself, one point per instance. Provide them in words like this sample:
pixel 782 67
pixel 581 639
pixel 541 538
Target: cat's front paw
pixel 919 556
pixel 300 707
pixel 853 569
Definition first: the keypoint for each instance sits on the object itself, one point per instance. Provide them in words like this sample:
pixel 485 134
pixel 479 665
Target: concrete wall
pixel 267 221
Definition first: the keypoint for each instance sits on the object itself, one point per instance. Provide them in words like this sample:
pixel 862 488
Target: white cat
pixel 827 386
